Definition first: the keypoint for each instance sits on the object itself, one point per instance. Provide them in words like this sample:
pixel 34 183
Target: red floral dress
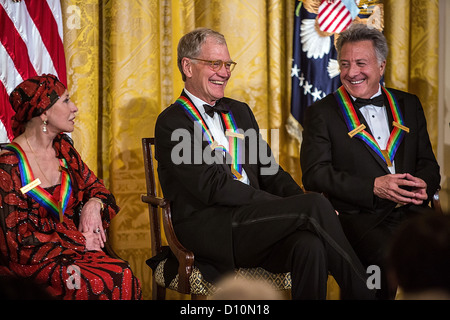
pixel 35 245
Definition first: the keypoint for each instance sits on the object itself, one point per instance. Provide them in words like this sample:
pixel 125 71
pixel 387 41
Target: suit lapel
pixel 400 154
pixel 249 168
pixel 363 121
pixel 376 156
pixel 204 143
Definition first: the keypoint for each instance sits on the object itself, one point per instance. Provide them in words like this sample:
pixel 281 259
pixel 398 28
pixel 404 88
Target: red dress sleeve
pixel 85 183
pixel 29 235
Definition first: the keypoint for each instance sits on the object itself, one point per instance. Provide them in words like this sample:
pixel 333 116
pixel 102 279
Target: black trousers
pixel 371 240
pixel 302 235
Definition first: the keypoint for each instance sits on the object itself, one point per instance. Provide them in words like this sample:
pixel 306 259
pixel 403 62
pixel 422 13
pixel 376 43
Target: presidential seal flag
pixel 315 69
pixel 31 43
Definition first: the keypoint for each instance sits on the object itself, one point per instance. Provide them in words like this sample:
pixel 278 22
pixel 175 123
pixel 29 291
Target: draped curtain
pixel 122 72
pixel 412 32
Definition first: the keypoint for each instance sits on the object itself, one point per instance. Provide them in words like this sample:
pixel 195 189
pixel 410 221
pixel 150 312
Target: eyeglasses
pixel 216 65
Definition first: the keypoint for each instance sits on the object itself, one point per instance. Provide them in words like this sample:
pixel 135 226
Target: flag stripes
pixel 334 17
pixel 31 43
pixel 46 23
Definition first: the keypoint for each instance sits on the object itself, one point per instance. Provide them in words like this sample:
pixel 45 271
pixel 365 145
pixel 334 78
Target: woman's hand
pixel 91 224
pixel 93 241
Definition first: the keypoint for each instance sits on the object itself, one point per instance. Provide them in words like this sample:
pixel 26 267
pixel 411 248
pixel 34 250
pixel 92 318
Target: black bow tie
pixel 218 107
pixel 377 101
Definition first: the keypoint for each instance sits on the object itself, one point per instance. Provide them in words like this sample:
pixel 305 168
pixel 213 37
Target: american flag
pixel 31 43
pixel 336 16
pixel 315 69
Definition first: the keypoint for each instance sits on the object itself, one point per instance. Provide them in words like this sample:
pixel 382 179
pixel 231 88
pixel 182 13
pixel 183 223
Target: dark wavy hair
pixel 361 32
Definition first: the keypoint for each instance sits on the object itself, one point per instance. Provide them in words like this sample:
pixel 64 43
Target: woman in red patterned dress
pixel 53 209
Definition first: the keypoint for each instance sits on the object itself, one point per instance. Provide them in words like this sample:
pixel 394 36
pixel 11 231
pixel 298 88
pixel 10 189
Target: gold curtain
pixel 122 72
pixel 412 32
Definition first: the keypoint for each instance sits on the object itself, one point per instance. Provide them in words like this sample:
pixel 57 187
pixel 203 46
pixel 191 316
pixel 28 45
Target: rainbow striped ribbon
pixel 231 133
pixel 31 185
pixel 357 129
pixel 234 145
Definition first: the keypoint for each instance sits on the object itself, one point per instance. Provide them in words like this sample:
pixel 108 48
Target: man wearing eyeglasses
pixel 225 207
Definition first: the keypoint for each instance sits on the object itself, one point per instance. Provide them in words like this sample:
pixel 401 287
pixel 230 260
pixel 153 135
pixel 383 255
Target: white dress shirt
pixel 377 119
pixel 215 127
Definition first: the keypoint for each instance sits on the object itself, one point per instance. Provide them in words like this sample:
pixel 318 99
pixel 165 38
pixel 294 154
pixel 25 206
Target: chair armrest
pixel 184 256
pixel 154 201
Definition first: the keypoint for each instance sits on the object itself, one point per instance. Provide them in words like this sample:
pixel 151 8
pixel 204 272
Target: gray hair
pixel 191 44
pixel 361 32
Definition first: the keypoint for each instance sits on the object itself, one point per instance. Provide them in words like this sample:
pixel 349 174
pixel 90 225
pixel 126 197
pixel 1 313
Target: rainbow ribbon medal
pixel 358 130
pixel 231 133
pixel 31 185
pixel 234 144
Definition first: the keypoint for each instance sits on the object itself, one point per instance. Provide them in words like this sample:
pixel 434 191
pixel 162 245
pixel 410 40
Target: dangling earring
pixel 44 126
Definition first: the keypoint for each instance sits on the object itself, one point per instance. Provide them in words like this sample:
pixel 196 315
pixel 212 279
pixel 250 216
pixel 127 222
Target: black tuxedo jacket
pixel 203 195
pixel 345 168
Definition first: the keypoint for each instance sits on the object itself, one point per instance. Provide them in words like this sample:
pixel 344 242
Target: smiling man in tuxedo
pixel 367 148
pixel 231 212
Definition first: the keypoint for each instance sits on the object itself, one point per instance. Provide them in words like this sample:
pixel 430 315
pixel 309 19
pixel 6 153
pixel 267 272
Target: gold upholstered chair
pixel 189 279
